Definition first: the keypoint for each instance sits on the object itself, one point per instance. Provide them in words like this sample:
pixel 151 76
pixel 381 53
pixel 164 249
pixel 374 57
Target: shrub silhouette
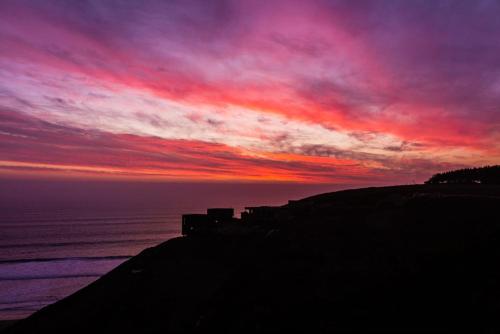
pixel 483 175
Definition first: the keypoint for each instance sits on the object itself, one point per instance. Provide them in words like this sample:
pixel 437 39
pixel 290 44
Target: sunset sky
pixel 345 92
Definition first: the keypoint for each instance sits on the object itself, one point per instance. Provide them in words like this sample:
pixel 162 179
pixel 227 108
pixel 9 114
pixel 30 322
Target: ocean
pixel 57 236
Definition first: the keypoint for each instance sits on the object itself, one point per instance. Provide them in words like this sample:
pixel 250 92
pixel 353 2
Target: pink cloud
pixel 401 70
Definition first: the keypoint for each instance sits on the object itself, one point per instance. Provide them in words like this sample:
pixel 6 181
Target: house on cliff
pixel 200 224
pixel 222 220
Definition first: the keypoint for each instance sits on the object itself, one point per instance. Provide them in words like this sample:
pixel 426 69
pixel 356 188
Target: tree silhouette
pixel 483 175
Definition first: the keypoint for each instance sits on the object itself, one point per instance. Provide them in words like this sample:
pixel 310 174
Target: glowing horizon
pixel 319 91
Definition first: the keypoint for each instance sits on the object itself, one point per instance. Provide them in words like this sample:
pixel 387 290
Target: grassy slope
pixel 409 258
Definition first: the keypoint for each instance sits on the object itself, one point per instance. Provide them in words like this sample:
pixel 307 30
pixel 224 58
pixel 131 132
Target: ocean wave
pixel 26 221
pixel 61 259
pixel 49 277
pixel 81 243
pixel 91 223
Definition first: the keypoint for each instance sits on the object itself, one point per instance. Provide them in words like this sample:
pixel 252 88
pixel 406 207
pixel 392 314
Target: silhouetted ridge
pixel 483 175
pixel 402 259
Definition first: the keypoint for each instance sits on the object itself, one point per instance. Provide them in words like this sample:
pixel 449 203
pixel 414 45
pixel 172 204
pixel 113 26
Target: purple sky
pixel 346 92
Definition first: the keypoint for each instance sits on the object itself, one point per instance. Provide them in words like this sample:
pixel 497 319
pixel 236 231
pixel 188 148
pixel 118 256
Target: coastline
pixel 371 260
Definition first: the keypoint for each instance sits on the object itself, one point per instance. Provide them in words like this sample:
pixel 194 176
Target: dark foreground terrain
pixel 396 259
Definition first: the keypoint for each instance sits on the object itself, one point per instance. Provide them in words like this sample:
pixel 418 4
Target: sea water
pixel 58 236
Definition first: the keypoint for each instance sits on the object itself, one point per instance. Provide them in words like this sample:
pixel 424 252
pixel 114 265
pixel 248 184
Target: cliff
pixel 394 259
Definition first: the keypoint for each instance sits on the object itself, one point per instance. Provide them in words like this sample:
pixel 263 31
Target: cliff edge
pixel 417 258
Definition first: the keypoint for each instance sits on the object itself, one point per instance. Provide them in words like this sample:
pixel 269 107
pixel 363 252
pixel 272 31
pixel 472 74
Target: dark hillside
pixel 395 259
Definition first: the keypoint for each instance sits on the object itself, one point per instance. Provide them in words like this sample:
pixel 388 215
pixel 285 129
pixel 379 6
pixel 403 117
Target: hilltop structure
pixel 199 224
pixel 222 219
